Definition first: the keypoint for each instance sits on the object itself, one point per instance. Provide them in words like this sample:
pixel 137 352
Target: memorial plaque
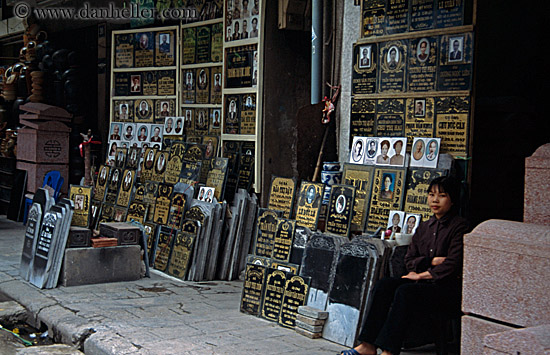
pixel 390 117
pixel 296 291
pixel 282 245
pixel 281 195
pixel 273 297
pixel 361 178
pixel 397 16
pixel 309 204
pixel 162 204
pixel 418 181
pixel 201 121
pixel 113 186
pixel 421 15
pixel 165 51
pixel 422 70
pixel 163 247
pixel 393 63
pixel 254 279
pixel 194 152
pixel 161 157
pixel 123 111
pixel 246 172
pixel 150 230
pixel 282 266
pixel 166 82
pixel 32 230
pixel 150 198
pixel 190 172
pixel 107 213
pixel 149 83
pixel 133 158
pixel 202 95
pixel 216 86
pixel 387 194
pixel 125 192
pixel 363 77
pixel 373 14
pixel 248 114
pixel 362 118
pixel 119 213
pixel 217 177
pixel 232 120
pixel 238 66
pixel 183 249
pixel 450 13
pixel 148 164
pixel 203 44
pixel 82 197
pixel 216 48
pixel 265 233
pixel 143 111
pixel 340 210
pixel 455 62
pixel 139 193
pixel 122 84
pixel 143 49
pixel 188 86
pixel 173 168
pixel 177 209
pixel 42 258
pixel 189 45
pixel 420 118
pixel 135 84
pixel 452 124
pixel 120 157
pixel 137 211
pixel 165 109
pixel 124 50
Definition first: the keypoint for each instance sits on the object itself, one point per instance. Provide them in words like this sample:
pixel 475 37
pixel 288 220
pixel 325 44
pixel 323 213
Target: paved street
pixel 156 315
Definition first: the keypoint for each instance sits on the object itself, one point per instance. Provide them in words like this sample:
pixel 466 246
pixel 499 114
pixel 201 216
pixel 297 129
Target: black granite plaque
pixel 422 70
pixel 150 230
pixel 122 84
pixel 455 62
pixel 120 157
pixel 134 157
pixel 150 198
pixel 373 14
pixel 123 110
pixel 273 297
pixel 32 230
pixel 248 114
pixel 173 169
pixel 282 245
pixel 452 124
pixel 418 181
pixel 143 111
pixel 149 83
pixel 265 233
pixel 82 197
pixel 309 204
pixel 420 119
pixel 43 255
pixel 393 64
pixel 203 44
pixel 162 204
pixel 183 249
pixel 216 86
pixel 449 13
pixel 177 208
pixel 296 290
pixel 217 177
pixel 202 93
pixel 340 210
pixel 107 213
pixel 190 172
pixel 102 182
pixel 194 152
pixel 165 51
pixel 363 77
pixel 216 44
pixel 232 120
pixel 144 45
pixel 124 50
pixel 387 194
pixel 254 279
pixel 159 167
pixel 362 118
pixel 239 63
pixel 360 177
pixel 164 241
pixel 246 172
pixel 147 164
pixel 421 15
pixel 137 211
pixel 188 86
pixel 189 45
pixel 397 16
pixel 201 122
pixel 128 178
pixel 113 186
pixel 390 117
pixel 166 82
pixel 281 195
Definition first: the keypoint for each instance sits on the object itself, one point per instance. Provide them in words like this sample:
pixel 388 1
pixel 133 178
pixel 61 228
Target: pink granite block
pixel 532 341
pixel 474 330
pixel 536 204
pixel 507 272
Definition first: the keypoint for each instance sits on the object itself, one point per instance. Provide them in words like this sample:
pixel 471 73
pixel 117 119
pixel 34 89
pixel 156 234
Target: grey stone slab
pixel 309 327
pixel 55 349
pixel 11 311
pixel 34 220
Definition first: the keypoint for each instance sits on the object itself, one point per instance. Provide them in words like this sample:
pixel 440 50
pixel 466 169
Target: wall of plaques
pixel 413 70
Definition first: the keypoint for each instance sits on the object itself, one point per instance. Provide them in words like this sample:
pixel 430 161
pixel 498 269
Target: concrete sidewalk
pixel 156 315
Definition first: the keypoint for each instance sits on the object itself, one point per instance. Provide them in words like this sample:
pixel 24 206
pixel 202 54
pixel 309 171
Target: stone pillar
pixel 536 203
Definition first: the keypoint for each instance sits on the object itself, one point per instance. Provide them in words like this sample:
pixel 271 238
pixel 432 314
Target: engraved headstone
pixel 137 211
pixel 309 204
pixel 265 232
pixel 124 50
pixel 32 230
pixel 421 15
pixel 365 63
pixel 177 208
pixel 388 190
pixel 302 236
pixel 452 124
pixel 162 204
pixel 373 13
pixel 296 291
pixel 393 64
pixel 102 181
pixel 455 62
pixel 362 118
pixel 42 261
pixel 217 177
pixel 281 195
pixel 163 246
pixel 183 248
pixel 251 298
pixel 113 186
pixel 361 178
pixel 422 70
pixel 273 295
pixel 284 237
pixel 449 13
pixel 246 172
pixel 340 210
pixel 126 187
pixel 397 16
pixel 390 118
pixel 82 197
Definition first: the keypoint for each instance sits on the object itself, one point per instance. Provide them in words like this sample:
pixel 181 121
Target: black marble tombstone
pixel 251 298
pixel 273 295
pixel 296 290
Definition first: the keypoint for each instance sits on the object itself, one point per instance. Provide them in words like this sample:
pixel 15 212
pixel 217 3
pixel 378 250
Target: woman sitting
pixel 433 284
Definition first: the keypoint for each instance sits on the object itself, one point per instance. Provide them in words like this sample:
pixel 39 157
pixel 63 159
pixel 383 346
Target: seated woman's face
pixel 440 202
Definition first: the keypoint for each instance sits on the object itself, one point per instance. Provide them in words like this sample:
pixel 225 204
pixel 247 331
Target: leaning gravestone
pixel 301 238
pixel 41 263
pixel 340 210
pixel 347 296
pixel 265 232
pixel 281 195
pixel 283 239
pixel 273 296
pixel 183 247
pixel 309 204
pixel 66 209
pixel 296 290
pixel 165 240
pixel 251 298
pixel 319 263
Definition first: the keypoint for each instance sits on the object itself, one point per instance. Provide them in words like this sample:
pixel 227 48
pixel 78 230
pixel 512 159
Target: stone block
pixel 310 328
pixel 474 330
pixel 84 266
pixel 307 333
pixel 312 312
pixel 309 320
pixel 532 340
pixel 536 202
pixel 507 272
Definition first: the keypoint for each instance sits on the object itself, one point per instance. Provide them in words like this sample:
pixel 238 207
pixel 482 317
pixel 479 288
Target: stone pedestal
pixel 536 205
pixel 474 330
pixel 533 340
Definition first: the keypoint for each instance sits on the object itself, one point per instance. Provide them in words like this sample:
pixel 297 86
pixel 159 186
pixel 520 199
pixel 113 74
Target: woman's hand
pixel 438 260
pixel 415 277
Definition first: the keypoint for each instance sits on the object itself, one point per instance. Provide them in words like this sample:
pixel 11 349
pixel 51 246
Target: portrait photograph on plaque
pixel 215 121
pixel 216 85
pixel 393 63
pixel 82 197
pixel 123 111
pixel 165 48
pixel 383 157
pixel 144 44
pixel 135 84
pixel 411 223
pixel 134 158
pixel 248 114
pixel 364 69
pixel 397 151
pixel 232 114
pixel 143 112
pixel 387 194
pixel 188 86
pixel 362 118
pixel 201 121
pixel 452 124
pixel 455 62
pixel 206 194
pixel 124 50
pixel 169 126
pixel 395 222
pixel 360 177
pixel 357 153
pixel 126 187
pixel 309 204
pixel 120 157
pixel 115 131
pixel 129 132
pixel 425 152
pixel 149 83
pixel 390 117
pixel 422 66
pixel 163 109
pixel 202 93
pixel 420 118
pixel 371 146
pixel 340 210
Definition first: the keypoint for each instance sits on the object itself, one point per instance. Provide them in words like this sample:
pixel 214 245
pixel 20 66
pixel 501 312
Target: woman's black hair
pixel 449 185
